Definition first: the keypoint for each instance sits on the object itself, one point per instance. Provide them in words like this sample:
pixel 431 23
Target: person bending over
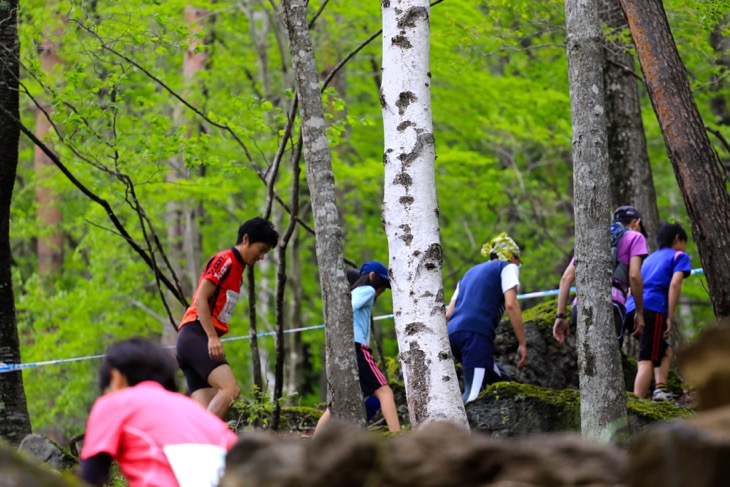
pixel 481 298
pixel 372 282
pixel 147 427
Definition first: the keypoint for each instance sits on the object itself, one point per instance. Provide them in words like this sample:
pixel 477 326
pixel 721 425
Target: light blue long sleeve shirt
pixel 363 298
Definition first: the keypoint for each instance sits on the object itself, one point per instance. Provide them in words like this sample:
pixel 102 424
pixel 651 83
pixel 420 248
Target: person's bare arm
pixel 675 288
pixel 205 292
pixel 450 310
pixel 561 328
pixel 636 283
pixel 512 306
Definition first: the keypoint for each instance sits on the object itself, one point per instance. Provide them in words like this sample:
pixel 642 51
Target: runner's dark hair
pixel 376 282
pixel 258 230
pixel 139 360
pixel 666 233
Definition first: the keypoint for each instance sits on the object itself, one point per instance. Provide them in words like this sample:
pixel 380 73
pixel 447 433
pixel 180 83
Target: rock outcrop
pixel 437 455
pixel 511 409
pixel 18 469
pixel 48 452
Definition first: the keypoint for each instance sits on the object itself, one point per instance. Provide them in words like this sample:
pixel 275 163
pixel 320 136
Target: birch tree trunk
pixel 693 158
pixel 632 182
pixel 602 393
pixel 344 393
pixel 15 423
pixel 410 215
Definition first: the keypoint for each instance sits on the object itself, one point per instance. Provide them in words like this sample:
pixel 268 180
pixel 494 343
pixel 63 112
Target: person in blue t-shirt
pixel 663 272
pixel 371 284
pixel 481 298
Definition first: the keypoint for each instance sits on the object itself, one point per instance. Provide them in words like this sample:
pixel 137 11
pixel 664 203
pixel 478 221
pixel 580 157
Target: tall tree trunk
pixel 258 381
pixel 48 211
pixel 15 423
pixel 342 377
pixel 602 393
pixel 695 163
pixel 182 216
pixel 281 288
pixel 628 160
pixel 410 215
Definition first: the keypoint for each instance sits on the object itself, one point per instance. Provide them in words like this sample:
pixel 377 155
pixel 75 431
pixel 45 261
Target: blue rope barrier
pixel 4 368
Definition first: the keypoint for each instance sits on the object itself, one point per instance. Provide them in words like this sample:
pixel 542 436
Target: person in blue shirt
pixel 371 284
pixel 663 273
pixel 481 298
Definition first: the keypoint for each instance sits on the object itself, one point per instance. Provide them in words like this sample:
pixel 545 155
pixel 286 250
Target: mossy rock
pixel 542 314
pixel 247 415
pixel 18 469
pixel 49 452
pixel 652 411
pixel 512 409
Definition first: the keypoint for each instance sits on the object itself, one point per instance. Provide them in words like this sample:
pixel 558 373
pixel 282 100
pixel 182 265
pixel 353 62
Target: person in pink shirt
pixel 146 426
pixel 631 250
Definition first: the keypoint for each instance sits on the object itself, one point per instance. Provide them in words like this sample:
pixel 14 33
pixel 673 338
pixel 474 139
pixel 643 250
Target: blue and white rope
pixel 15 367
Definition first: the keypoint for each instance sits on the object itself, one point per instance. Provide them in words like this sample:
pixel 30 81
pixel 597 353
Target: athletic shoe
pixel 662 395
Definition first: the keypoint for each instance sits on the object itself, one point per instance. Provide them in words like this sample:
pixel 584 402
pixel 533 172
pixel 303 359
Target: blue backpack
pixel 620 275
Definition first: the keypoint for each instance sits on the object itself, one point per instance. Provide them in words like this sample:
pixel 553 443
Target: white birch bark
pixel 345 396
pixel 602 393
pixel 410 216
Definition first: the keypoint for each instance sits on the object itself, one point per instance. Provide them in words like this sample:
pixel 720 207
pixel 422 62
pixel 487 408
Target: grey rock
pixel 18 469
pixel 439 454
pixel 48 451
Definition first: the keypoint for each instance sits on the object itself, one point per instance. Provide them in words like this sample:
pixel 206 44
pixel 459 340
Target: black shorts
pixel 652 345
pixel 371 378
pixel 193 357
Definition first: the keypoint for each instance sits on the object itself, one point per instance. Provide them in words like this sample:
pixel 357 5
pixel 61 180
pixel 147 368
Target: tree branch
pixel 100 201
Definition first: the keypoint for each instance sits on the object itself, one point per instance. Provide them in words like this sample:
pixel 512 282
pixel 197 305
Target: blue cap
pixel 379 269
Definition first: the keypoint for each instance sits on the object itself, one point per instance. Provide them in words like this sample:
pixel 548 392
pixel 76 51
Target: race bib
pixel 227 311
pixel 196 465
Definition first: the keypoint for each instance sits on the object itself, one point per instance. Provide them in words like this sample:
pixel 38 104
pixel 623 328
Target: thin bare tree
pixel 342 377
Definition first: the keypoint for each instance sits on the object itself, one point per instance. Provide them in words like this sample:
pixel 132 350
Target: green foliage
pixel 252 414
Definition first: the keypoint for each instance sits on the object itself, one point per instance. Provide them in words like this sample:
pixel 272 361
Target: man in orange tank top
pixel 199 349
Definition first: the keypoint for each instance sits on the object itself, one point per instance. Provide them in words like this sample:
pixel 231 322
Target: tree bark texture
pixel 410 216
pixel 602 396
pixel 628 160
pixel 182 216
pixel 15 423
pixel 48 211
pixel 693 158
pixel 342 377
